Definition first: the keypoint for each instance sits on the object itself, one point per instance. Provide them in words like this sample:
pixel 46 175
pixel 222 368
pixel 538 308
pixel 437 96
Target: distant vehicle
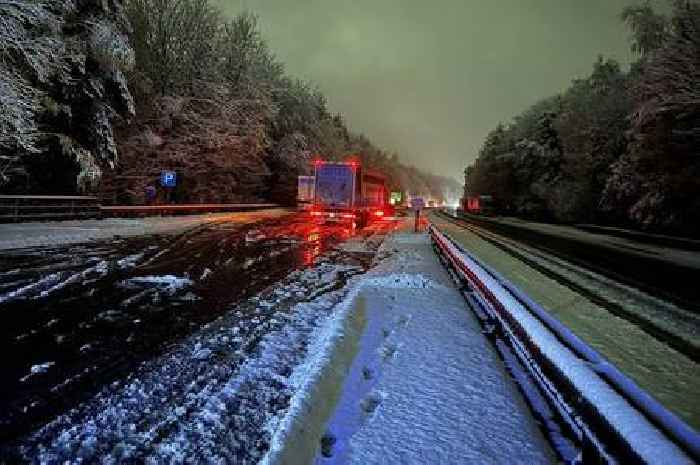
pixel 305 190
pixel 345 192
pixel 431 203
pixel 479 205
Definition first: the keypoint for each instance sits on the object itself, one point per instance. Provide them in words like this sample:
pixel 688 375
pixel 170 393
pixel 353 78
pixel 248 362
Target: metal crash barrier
pixel 599 411
pixel 181 209
pixel 18 208
pixel 15 208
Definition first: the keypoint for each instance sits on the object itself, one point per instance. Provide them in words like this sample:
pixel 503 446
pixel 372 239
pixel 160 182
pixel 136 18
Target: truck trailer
pixel 346 192
pixel 478 205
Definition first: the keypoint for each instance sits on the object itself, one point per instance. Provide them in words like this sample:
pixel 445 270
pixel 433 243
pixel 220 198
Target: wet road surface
pixel 77 317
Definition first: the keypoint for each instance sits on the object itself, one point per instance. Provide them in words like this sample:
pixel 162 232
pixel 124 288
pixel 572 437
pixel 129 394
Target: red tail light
pixel 316 213
pixel 379 213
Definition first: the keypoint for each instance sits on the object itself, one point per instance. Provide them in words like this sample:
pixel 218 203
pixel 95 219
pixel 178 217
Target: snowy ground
pixel 216 397
pixel 426 386
pixel 77 317
pixel 213 397
pixel 422 383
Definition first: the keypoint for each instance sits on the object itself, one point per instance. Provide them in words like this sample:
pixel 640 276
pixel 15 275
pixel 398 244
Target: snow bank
pixel 317 383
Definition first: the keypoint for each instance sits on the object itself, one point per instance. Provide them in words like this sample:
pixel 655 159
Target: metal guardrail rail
pixel 578 383
pixel 15 208
pixel 173 209
pixel 18 208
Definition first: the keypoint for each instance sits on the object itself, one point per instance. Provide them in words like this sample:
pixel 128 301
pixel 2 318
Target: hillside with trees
pixel 62 87
pixel 617 147
pixel 100 96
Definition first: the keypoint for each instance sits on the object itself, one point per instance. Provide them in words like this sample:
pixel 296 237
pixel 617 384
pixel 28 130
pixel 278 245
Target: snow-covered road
pixel 365 354
pixel 215 398
pixel 79 317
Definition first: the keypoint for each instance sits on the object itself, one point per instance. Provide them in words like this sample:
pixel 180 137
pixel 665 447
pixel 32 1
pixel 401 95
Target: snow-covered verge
pixel 417 384
pixel 215 398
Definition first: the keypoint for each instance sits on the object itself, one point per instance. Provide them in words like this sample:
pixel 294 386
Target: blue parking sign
pixel 168 178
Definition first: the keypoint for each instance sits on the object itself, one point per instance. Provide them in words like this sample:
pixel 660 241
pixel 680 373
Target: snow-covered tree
pixel 62 84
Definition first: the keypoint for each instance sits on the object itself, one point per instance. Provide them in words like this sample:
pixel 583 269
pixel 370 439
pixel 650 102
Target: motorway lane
pixel 77 317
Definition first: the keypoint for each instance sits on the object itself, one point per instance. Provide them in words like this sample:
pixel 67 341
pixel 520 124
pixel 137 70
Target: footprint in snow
pixel 387 351
pixel 370 403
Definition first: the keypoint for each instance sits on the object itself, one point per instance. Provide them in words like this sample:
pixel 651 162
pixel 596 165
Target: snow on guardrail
pixel 614 419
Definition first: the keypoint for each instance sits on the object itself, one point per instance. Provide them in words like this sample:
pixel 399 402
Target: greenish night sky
pixel 429 79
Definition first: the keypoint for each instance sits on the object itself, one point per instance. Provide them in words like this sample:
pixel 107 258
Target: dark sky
pixel 429 79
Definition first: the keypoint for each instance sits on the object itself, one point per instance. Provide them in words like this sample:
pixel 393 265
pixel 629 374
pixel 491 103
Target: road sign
pixel 168 178
pixel 417 202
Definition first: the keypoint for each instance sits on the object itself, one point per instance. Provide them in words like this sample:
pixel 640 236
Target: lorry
pixel 346 192
pixel 478 205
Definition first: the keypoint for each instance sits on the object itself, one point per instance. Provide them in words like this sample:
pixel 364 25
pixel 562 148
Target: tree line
pixel 106 94
pixel 617 147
